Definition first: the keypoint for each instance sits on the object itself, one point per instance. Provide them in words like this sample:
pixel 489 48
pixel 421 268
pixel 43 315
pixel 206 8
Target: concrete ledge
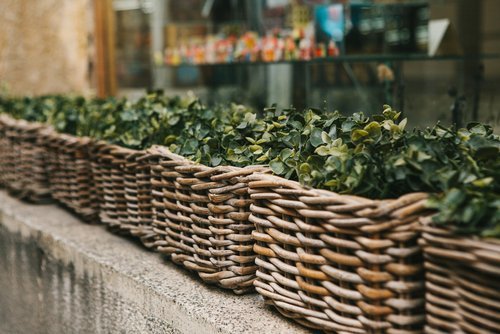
pixel 59 275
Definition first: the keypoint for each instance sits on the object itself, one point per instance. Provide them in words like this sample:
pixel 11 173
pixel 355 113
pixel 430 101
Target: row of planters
pixel 345 224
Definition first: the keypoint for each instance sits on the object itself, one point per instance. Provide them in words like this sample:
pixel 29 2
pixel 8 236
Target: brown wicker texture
pixel 137 184
pixel 201 219
pixel 130 218
pixel 95 195
pixel 462 281
pixel 71 177
pixel 111 161
pixel 99 174
pixel 116 172
pixel 53 165
pixel 6 152
pixel 145 214
pixel 338 263
pixel 23 160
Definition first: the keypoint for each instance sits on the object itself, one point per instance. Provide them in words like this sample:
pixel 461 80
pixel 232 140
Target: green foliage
pixel 30 109
pixel 150 120
pixel 472 202
pixel 369 156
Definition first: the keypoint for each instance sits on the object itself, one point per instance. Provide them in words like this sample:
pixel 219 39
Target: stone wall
pixel 44 46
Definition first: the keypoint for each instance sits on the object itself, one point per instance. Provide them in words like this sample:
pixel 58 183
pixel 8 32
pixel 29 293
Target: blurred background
pixel 434 60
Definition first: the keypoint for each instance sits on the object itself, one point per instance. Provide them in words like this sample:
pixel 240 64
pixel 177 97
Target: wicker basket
pixel 122 178
pixel 111 161
pixel 71 177
pixel 6 152
pixel 49 138
pixel 99 175
pixel 145 214
pixel 23 160
pixel 339 263
pixel 138 197
pixel 462 281
pixel 201 218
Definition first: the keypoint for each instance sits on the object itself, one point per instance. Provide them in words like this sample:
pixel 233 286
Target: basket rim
pixel 428 227
pixel 200 170
pixel 261 180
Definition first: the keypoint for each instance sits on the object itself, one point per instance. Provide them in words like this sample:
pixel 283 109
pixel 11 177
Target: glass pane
pixel 133 46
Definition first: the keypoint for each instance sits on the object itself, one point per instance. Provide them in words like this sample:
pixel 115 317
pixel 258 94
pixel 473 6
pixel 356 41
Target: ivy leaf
pixel 264 157
pixel 285 154
pixel 325 138
pixel 484 182
pixel 216 160
pixel 190 147
pixel 305 168
pixel 213 143
pixel 402 124
pixel 373 129
pixel 169 140
pixel 331 183
pixel 129 115
pixel 242 125
pixel 357 135
pixel 316 137
pixel 477 128
pixel 277 166
pixel 347 126
pixel 173 120
pixel 322 151
pixel 256 149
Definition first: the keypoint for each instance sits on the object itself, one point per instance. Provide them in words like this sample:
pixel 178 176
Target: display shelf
pixel 352 81
pixel 350 59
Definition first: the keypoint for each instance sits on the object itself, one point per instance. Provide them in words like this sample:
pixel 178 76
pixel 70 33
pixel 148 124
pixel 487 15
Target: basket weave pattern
pixel 71 177
pixel 83 196
pixel 102 174
pixel 462 282
pixel 201 219
pixel 111 178
pixel 55 166
pixel 23 164
pixel 10 152
pixel 337 262
pixel 145 215
pixel 122 181
pixel 138 198
pixel 4 150
pixel 99 170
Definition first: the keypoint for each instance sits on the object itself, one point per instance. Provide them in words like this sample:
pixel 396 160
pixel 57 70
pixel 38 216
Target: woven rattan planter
pixel 99 173
pixel 111 161
pixel 23 160
pixel 122 180
pixel 201 218
pixel 6 152
pixel 71 177
pixel 338 263
pixel 462 281
pixel 145 214
pixel 138 198
pixel 9 152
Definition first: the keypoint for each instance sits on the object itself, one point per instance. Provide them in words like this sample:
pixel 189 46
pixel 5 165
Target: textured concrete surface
pixel 59 275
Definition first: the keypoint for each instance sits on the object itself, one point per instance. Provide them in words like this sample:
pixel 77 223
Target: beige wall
pixel 44 46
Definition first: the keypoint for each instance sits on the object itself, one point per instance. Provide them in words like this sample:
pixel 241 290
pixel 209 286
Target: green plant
pixel 472 204
pixel 368 156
